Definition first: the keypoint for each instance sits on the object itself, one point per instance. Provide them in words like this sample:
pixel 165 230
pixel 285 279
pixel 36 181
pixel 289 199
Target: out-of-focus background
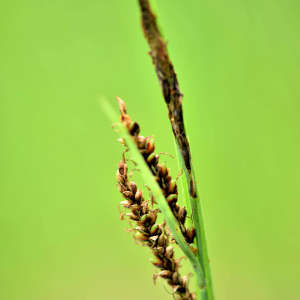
pixel 238 67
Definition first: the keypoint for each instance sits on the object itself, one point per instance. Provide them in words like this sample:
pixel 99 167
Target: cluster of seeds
pixel 161 172
pixel 151 234
pixel 147 232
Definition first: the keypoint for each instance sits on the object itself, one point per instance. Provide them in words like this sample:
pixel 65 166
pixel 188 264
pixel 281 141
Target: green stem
pixel 159 197
pixel 201 230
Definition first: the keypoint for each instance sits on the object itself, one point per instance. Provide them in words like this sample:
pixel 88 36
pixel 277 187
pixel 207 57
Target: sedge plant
pixel 142 214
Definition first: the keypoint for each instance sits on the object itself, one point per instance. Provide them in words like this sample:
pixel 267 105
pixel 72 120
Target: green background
pixel 238 67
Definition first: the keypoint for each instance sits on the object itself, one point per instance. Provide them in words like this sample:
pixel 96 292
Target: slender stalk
pixel 187 203
pixel 184 187
pixel 202 234
pixel 159 197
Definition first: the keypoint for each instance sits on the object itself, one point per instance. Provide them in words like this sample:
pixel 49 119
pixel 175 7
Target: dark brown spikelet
pixel 148 233
pixel 168 81
pixel 159 170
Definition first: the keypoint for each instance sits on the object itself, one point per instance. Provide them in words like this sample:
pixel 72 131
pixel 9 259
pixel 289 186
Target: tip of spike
pixel 122 106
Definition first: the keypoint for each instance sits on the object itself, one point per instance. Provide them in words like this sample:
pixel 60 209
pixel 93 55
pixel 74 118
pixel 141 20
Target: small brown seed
pixel 150 146
pixel 128 194
pixel 191 233
pixel 176 278
pixel 162 241
pixel 169 252
pixel 140 236
pixel 155 229
pixel 132 216
pixel 126 203
pixel 172 199
pixel 168 178
pixel 141 142
pixel 138 195
pixel 182 214
pixel 151 158
pixel 145 220
pixel 133 187
pixel 153 217
pixel 172 187
pixel 157 261
pixel 163 170
pixel 143 230
pixel 166 274
pixel 145 207
pixel 134 128
pixel 135 208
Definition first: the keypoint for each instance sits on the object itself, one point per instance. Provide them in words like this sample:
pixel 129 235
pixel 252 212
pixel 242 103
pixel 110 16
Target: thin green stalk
pixel 187 203
pixel 205 257
pixel 184 187
pixel 159 197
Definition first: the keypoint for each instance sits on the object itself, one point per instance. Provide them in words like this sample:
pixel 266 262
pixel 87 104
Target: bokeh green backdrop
pixel 238 66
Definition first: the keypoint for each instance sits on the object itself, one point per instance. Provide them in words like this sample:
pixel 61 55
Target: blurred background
pixel 238 67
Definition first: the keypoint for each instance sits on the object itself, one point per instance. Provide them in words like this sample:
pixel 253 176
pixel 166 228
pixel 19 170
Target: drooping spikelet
pixel 160 171
pixel 151 234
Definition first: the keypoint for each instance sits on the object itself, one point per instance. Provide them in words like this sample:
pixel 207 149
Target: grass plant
pixel 143 156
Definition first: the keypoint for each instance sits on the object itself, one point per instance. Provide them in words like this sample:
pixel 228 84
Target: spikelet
pixel 148 233
pixel 160 171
